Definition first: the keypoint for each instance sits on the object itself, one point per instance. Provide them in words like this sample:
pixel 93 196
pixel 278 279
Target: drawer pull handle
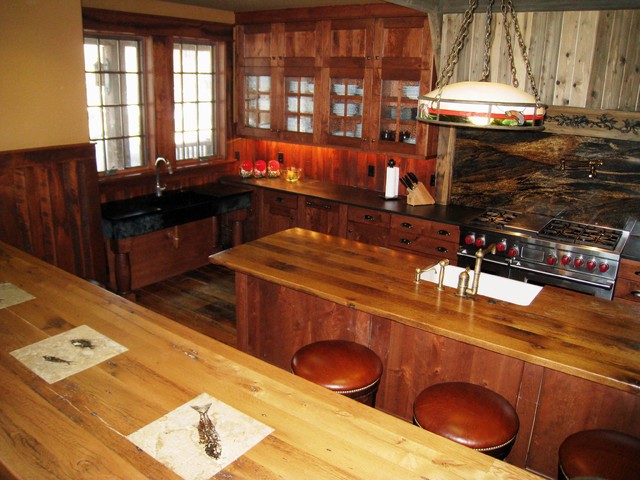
pixel 279 199
pixel 444 232
pixel 636 293
pixel 406 241
pixel 406 225
pixel 368 217
pixel 326 206
pixel 637 273
pixel 442 249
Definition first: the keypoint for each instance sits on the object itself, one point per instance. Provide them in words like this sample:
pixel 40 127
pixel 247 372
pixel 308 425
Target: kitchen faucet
pixel 463 279
pixel 161 188
pixel 443 263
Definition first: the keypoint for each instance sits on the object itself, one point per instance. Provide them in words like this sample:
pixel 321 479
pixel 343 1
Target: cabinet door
pixel 255 46
pixel 257 89
pixel 323 216
pixel 349 43
pixel 278 211
pixel 348 109
pixel 628 282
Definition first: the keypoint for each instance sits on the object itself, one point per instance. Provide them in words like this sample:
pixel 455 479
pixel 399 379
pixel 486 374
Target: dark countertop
pixel 140 215
pixel 360 197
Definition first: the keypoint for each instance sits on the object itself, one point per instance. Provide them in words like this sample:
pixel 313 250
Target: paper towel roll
pixel 391 182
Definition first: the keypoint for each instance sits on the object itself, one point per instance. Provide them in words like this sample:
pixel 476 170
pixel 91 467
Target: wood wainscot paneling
pixel 50 207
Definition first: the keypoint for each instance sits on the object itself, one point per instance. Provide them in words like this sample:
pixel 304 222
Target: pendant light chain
pixel 461 37
pixel 487 43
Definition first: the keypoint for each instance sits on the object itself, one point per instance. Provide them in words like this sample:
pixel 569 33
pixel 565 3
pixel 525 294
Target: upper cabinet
pixel 351 82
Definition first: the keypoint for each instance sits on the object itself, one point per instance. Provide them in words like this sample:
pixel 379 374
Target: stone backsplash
pixel 583 179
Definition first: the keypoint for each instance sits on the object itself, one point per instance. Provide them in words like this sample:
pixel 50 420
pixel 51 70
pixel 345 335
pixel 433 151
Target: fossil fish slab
pixel 68 353
pixel 200 438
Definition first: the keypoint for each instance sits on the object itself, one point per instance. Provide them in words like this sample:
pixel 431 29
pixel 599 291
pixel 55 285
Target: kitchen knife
pixel 408 182
pixel 405 184
pixel 413 177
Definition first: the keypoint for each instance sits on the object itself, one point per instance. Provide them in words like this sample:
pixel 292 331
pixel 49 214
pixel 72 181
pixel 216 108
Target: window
pixel 115 100
pixel 194 100
pixel 155 91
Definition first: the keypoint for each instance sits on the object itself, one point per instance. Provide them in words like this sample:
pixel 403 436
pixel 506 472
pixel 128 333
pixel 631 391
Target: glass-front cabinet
pixel 346 110
pixel 346 82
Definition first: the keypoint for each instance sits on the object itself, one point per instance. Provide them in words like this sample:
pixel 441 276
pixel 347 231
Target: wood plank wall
pixel 586 59
pixel 335 165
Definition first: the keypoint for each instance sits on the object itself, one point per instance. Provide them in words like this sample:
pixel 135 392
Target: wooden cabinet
pixel 424 237
pixel 278 74
pixel 322 216
pixel 628 282
pixel 351 82
pixel 368 226
pixel 278 211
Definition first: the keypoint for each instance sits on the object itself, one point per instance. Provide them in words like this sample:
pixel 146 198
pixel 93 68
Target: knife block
pixel 419 195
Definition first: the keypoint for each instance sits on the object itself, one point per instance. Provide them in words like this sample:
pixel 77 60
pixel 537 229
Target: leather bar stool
pixel 602 454
pixel 470 415
pixel 345 367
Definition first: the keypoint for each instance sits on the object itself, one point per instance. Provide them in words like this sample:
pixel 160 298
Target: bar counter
pixel 77 427
pixel 567 362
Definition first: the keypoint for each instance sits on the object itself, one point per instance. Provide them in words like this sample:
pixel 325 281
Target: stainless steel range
pixel 545 250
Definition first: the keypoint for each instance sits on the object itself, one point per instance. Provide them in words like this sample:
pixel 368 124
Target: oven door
pixel 536 277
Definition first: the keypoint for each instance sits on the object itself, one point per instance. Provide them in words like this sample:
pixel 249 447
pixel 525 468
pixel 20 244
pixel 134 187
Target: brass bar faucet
pixel 161 188
pixel 463 279
pixel 443 263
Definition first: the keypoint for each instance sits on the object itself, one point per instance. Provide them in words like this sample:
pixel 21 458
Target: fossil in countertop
pixel 82 343
pixel 51 358
pixel 207 432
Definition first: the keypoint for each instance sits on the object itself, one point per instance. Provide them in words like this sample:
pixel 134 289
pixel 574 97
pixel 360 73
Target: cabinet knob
pixel 406 225
pixel 444 232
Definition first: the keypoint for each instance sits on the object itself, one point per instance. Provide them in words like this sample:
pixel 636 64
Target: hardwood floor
pixel 202 299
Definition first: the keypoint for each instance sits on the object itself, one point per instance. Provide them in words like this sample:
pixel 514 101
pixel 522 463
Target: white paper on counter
pixel 391 182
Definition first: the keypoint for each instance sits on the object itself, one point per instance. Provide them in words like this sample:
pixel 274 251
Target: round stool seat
pixel 345 367
pixel 468 414
pixel 600 453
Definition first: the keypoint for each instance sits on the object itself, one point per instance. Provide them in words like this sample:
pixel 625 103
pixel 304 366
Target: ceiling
pixel 428 6
pixel 259 5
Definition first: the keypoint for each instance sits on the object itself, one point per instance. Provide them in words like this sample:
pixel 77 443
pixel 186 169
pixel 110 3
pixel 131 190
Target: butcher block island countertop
pixel 570 332
pixel 78 426
pixel 567 362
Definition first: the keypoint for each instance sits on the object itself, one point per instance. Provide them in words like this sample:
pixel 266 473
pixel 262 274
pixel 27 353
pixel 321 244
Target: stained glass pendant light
pixel 484 104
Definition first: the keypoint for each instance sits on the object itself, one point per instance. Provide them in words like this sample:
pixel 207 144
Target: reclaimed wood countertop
pixel 77 427
pixel 573 333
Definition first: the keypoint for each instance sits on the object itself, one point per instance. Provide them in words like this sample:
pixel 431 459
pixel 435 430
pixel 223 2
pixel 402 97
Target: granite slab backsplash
pixel 582 179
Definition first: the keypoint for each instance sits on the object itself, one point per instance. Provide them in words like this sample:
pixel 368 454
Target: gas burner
pixel 581 234
pixel 496 217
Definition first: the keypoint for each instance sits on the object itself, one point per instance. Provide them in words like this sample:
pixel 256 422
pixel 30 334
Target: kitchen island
pixel 78 426
pixel 567 362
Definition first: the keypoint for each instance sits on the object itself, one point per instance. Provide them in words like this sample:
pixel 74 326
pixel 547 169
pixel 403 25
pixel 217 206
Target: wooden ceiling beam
pixel 459 6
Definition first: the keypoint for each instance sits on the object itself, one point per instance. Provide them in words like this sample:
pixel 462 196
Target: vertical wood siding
pixel 587 59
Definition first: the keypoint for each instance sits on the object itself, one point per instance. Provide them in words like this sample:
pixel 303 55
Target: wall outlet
pixel 371 171
pixel 280 157
pixel 432 180
pixel 236 155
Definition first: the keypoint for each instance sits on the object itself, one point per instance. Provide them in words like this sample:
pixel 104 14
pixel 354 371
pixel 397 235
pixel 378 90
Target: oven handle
pixel 572 279
pixel 485 259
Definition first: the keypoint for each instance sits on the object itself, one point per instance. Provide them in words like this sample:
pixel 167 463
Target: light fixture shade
pixel 482 105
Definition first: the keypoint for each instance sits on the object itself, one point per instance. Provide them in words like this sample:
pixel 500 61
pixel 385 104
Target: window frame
pixel 159 35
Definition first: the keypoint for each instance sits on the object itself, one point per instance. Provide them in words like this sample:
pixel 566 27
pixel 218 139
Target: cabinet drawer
pixel 628 283
pixel 287 200
pixel 424 245
pixel 419 226
pixel 368 216
pixel 371 234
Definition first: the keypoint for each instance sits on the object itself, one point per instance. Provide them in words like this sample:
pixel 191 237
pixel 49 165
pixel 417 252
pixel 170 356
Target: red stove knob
pixel 578 262
pixel 565 260
pixel 501 246
pixel 513 251
pixel 603 267
pixel 591 264
pixel 551 260
pixel 480 241
pixel 469 239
